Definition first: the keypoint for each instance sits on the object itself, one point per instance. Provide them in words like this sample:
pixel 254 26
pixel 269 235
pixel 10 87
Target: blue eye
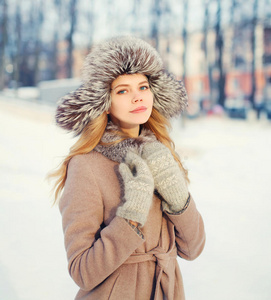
pixel 121 92
pixel 142 88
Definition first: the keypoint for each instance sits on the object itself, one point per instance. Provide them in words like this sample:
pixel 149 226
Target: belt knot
pixel 162 258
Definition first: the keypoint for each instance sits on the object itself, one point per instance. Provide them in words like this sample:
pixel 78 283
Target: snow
pixel 229 167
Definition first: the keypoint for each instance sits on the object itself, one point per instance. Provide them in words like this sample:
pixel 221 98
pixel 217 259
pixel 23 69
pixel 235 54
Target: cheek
pixel 150 98
pixel 117 107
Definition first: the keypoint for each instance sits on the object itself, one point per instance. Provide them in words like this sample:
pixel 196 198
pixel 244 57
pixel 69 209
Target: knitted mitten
pixel 138 189
pixel 169 179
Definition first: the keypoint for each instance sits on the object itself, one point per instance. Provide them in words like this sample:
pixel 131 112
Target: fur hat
pixel 108 60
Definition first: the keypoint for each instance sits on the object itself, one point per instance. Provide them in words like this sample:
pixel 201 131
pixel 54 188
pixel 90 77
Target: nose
pixel 137 98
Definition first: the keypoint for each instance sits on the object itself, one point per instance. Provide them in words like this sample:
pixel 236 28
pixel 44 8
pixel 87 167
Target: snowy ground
pixel 230 171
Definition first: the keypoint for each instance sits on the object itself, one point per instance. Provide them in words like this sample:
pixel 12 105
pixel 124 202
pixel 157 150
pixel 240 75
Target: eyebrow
pixel 145 81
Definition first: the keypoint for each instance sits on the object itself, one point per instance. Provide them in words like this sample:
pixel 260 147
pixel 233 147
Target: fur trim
pixel 170 97
pixel 108 60
pixel 118 151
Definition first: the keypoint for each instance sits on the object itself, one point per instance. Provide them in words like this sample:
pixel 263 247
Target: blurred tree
pixel 91 22
pixel 233 9
pixel 3 41
pixel 56 39
pixel 38 21
pixel 17 56
pixel 70 36
pixel 253 50
pixel 156 18
pixel 168 13
pixel 28 43
pixel 135 12
pixel 208 64
pixel 266 59
pixel 219 44
pixel 184 36
pixel 111 21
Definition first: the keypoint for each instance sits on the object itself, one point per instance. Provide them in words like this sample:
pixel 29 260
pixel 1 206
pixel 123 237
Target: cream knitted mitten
pixel 169 179
pixel 138 189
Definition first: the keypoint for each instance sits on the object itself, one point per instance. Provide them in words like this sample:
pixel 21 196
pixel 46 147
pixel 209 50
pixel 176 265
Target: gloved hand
pixel 169 179
pixel 138 189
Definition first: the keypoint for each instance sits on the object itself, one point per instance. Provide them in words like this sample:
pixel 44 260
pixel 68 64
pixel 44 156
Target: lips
pixel 139 109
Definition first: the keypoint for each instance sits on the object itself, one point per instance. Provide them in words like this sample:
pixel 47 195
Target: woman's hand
pixel 138 189
pixel 169 179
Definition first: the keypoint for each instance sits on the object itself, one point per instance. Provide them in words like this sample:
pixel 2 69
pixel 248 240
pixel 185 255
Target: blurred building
pixel 201 70
pixel 62 56
pixel 202 73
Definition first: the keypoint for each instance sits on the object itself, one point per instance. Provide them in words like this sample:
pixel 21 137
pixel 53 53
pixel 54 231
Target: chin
pixel 141 119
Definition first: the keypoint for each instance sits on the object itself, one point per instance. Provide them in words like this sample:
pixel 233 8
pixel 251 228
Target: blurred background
pixel 221 49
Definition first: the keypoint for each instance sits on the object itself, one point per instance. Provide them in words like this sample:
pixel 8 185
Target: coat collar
pixel 117 151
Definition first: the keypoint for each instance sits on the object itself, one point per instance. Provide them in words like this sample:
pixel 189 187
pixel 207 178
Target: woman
pixel 126 209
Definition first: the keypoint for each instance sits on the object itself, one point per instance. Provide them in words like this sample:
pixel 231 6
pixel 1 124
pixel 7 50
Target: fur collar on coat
pixel 117 151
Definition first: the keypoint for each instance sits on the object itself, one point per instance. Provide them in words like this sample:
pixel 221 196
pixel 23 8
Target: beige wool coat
pixel 107 258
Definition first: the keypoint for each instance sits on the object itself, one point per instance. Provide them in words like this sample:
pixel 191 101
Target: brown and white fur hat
pixel 108 60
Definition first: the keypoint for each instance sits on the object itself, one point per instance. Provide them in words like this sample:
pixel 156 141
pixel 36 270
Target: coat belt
pixel 163 274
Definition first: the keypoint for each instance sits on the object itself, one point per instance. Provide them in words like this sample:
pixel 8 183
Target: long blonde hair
pixel 92 134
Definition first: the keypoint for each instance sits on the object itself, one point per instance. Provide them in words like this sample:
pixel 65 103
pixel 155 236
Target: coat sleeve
pixel 92 257
pixel 189 232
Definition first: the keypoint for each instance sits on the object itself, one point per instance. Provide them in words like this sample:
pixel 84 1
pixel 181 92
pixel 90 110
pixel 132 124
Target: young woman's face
pixel 131 102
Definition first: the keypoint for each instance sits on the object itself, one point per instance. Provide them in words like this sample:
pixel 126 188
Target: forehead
pixel 129 79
